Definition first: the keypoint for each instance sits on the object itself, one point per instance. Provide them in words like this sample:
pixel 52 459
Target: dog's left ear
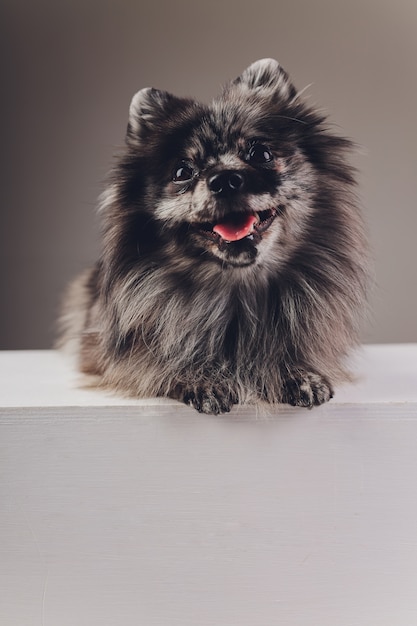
pixel 267 74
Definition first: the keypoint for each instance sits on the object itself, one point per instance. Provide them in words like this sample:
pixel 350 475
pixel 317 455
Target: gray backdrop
pixel 71 67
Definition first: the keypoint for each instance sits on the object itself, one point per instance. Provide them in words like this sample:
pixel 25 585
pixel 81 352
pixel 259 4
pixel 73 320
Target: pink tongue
pixel 236 227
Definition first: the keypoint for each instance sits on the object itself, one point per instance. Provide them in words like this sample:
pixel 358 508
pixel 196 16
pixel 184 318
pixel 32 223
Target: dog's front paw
pixel 210 401
pixel 307 390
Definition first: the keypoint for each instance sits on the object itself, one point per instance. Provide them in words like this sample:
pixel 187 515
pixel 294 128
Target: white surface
pixel 385 373
pixel 45 378
pixel 157 516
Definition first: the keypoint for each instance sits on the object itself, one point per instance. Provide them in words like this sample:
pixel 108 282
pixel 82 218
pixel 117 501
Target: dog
pixel 234 258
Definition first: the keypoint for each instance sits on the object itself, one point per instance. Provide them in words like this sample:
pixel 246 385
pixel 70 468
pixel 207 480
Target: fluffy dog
pixel 234 261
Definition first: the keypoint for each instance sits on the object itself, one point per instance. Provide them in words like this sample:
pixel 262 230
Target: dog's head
pixel 234 182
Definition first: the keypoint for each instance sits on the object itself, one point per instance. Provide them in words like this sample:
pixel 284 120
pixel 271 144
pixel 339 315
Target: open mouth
pixel 238 226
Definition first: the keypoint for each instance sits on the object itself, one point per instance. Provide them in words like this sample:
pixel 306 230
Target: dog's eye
pixel 259 153
pixel 183 173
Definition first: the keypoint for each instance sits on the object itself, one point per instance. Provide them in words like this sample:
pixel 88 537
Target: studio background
pixel 71 67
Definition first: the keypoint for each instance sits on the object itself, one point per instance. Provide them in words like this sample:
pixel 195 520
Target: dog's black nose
pixel 226 182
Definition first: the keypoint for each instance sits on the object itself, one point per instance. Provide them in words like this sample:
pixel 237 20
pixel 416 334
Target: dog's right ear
pixel 149 110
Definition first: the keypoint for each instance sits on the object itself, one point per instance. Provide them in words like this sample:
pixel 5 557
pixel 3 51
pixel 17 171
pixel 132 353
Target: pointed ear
pixel 267 74
pixel 149 110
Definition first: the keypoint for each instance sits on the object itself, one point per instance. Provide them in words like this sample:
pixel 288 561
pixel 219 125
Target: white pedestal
pixel 118 512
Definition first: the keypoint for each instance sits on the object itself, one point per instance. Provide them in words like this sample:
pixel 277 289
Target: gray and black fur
pixel 174 309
